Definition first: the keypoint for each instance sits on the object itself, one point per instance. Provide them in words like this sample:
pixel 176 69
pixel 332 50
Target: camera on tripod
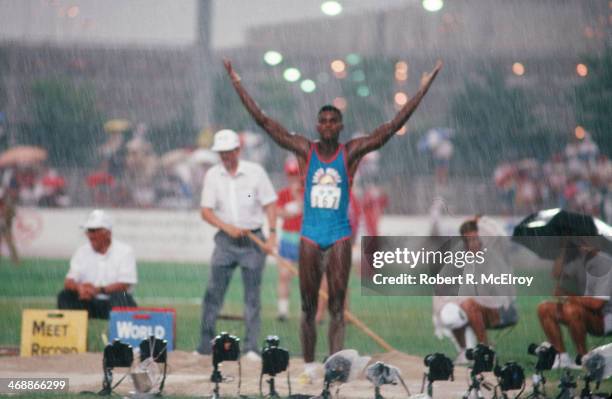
pixel 510 376
pixel 274 359
pixel 546 354
pixel 381 374
pixel 440 367
pixel 598 367
pixel 341 367
pixel 116 354
pixel 483 358
pixel 225 347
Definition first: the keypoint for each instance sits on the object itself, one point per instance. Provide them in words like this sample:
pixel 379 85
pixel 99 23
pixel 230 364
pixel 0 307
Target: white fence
pixel 174 236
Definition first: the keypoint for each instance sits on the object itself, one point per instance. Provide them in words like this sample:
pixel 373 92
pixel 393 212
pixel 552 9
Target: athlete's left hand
pixel 427 77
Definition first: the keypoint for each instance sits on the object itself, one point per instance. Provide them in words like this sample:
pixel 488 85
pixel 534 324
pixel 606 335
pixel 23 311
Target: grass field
pixel 404 322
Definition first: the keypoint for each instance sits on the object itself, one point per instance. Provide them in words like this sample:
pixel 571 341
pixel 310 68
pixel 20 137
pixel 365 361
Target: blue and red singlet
pixel 326 198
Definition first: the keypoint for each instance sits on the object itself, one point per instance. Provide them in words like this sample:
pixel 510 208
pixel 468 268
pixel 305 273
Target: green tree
pixel 66 122
pixel 594 99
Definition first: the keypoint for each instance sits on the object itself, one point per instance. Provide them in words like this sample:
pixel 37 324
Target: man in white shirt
pixel 478 308
pixel 102 272
pixel 235 195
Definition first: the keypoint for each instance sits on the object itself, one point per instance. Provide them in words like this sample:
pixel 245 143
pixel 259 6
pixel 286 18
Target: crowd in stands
pixel 131 174
pixel 35 186
pixel 578 179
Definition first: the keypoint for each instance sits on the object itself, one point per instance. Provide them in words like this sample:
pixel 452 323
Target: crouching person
pixel 102 272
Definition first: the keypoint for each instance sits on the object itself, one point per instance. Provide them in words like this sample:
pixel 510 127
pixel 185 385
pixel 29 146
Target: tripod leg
pixel 163 381
pixel 107 383
pixel 215 394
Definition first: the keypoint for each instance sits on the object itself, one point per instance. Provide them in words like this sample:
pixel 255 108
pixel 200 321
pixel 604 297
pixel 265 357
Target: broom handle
pixel 285 264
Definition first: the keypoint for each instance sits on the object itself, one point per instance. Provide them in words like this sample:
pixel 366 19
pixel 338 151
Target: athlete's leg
pixel 337 270
pixel 322 307
pixel 480 318
pixel 581 320
pixel 551 317
pixel 310 279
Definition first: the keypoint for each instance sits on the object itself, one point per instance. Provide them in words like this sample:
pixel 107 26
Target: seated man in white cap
pixel 102 272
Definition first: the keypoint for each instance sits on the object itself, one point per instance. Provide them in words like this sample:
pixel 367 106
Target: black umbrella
pixel 545 232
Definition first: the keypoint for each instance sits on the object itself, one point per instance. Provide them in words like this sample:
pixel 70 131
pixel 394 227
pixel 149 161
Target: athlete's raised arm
pixel 292 142
pixel 358 147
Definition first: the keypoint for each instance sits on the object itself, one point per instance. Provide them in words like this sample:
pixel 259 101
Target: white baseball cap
pixel 225 140
pixel 98 219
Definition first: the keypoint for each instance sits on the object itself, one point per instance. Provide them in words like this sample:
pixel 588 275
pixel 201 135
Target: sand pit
pixel 189 375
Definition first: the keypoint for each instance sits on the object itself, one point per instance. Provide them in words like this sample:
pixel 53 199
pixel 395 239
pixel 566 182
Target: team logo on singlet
pixel 325 191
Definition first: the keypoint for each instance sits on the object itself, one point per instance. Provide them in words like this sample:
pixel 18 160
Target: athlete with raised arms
pixel 327 168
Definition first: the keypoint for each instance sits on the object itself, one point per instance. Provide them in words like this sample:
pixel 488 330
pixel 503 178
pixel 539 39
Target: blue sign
pixel 133 325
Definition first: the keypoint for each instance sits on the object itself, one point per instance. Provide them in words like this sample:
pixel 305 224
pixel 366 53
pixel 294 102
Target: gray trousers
pixel 229 253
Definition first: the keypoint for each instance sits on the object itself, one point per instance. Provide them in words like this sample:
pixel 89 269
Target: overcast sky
pixel 151 22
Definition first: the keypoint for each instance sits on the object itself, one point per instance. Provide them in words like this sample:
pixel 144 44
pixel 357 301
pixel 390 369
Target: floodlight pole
pixel 202 69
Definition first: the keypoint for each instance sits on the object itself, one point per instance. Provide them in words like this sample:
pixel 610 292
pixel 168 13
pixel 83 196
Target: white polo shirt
pixel 117 265
pixel 239 199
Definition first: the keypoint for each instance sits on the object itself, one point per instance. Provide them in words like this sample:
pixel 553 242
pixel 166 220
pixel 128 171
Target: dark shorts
pixel 507 316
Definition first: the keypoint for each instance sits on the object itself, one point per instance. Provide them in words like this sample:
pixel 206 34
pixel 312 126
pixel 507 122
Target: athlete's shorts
pixel 324 236
pixel 508 316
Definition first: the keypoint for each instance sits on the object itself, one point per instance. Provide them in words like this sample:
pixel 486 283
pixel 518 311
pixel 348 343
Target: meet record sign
pixel 53 332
